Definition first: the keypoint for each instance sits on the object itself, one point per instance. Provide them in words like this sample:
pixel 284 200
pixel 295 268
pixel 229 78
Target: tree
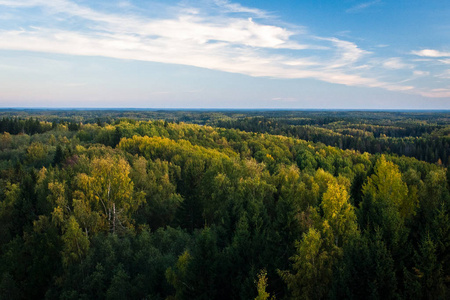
pixel 25 211
pixel 429 270
pixel 5 141
pixel 7 205
pixel 203 269
pixel 76 244
pixel 339 213
pixel 162 200
pixel 109 191
pixel 366 271
pixel 59 155
pixel 388 187
pixel 386 204
pixel 312 271
pixel 58 200
pixel 178 276
pixel 261 286
pixel 36 152
pixel 120 285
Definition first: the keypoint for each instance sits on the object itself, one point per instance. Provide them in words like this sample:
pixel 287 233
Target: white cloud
pixel 421 73
pixel 238 8
pixel 221 41
pixel 362 6
pixel 24 3
pixel 347 52
pixel 396 63
pixel 124 4
pixel 436 93
pixel 444 75
pixel 190 51
pixel 431 53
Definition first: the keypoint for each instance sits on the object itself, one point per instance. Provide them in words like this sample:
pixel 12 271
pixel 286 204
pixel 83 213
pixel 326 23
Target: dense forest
pixel 224 205
pixel 424 135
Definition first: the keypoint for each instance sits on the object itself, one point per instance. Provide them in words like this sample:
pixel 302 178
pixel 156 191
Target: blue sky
pixel 352 54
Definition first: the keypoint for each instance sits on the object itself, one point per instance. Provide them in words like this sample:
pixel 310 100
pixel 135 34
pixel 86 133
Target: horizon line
pixel 225 109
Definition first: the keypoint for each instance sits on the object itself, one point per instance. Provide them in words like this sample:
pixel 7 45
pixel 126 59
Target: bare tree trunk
pixel 114 217
pixel 109 219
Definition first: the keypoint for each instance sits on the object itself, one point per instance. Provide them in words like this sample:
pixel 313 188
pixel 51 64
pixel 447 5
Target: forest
pixel 153 204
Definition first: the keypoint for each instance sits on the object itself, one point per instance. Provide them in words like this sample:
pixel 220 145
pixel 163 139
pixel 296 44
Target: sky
pixel 309 54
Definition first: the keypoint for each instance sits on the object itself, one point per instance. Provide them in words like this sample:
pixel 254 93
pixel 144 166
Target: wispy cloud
pixel 436 93
pixel 233 38
pixel 445 61
pixel 421 73
pixel 238 8
pixel 431 53
pixel 396 63
pixel 444 75
pixel 362 6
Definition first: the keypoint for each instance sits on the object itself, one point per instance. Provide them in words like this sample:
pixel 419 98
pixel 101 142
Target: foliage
pixel 261 285
pixel 112 205
pixel 312 267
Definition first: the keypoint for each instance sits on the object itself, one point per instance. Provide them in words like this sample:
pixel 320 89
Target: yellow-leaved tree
pixel 105 199
pixel 387 186
pixel 339 214
pixel 320 247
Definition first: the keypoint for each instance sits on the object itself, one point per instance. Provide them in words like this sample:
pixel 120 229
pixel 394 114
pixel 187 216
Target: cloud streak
pixel 362 6
pixel 224 41
pixel 396 63
pixel 431 53
pixel 238 8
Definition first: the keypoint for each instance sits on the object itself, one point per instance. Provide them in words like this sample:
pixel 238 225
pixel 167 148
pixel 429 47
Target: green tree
pixel 162 201
pixel 76 244
pixel 429 270
pixel 312 271
pixel 36 152
pixel 366 271
pixel 11 194
pixel 120 285
pixel 178 276
pixel 387 186
pixel 59 155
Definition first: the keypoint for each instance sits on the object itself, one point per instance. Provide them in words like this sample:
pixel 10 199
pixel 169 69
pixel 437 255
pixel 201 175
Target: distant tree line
pixel 16 126
pixel 414 140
